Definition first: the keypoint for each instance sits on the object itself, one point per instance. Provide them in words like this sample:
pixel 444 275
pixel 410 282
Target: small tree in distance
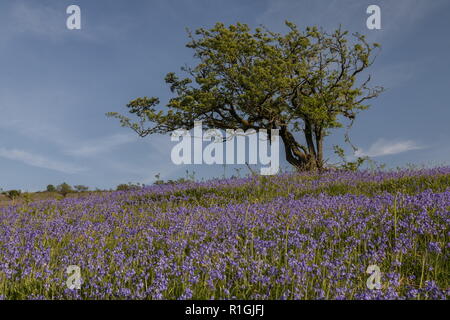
pixel 51 188
pixel 64 189
pixel 12 194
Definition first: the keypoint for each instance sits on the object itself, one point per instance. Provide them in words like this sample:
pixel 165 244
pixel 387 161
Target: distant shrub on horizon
pixel 64 189
pixel 12 194
pixel 81 188
pixel 129 186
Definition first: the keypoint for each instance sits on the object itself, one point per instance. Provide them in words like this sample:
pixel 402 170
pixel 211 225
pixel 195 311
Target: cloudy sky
pixel 57 84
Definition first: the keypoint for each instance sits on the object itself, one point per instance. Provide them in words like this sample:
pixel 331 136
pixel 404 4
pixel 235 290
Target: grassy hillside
pixel 27 197
pixel 292 236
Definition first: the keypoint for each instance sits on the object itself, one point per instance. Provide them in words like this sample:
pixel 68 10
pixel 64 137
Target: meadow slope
pixel 291 236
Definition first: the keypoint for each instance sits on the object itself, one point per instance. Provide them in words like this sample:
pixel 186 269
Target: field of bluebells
pixel 291 236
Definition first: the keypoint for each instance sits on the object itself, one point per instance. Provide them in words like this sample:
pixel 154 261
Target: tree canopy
pixel 303 83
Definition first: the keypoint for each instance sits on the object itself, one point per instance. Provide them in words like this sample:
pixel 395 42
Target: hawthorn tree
pixel 304 83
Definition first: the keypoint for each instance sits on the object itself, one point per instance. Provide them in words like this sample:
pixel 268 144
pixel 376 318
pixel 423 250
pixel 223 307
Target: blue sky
pixel 56 84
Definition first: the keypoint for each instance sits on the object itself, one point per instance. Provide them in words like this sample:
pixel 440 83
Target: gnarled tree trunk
pixel 297 155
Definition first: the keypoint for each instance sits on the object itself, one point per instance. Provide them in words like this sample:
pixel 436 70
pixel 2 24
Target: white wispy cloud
pixel 37 19
pixel 40 161
pixel 384 147
pixel 397 17
pixel 101 145
pixel 47 20
pixel 50 129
